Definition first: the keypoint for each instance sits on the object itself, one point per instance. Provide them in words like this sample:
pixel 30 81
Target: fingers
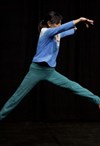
pixel 75 28
pixel 86 20
pixel 90 21
pixel 87 25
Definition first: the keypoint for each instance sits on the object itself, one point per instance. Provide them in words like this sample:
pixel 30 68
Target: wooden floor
pixel 50 134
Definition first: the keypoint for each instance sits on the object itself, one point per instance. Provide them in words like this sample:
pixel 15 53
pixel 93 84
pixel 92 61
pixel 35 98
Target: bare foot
pixel 99 106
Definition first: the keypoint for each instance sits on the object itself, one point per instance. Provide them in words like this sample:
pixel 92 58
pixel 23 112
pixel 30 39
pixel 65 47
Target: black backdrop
pixel 78 59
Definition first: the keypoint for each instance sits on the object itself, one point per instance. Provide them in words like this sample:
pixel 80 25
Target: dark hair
pixel 53 17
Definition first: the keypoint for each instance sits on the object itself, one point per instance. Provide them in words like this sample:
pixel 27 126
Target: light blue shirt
pixel 49 42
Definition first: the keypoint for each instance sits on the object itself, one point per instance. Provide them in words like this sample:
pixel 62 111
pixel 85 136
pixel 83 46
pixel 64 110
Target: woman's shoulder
pixel 43 30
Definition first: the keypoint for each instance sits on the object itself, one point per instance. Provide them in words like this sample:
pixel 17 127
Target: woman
pixel 44 62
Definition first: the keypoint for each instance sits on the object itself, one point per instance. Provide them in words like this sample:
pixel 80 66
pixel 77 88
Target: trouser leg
pixel 62 81
pixel 30 80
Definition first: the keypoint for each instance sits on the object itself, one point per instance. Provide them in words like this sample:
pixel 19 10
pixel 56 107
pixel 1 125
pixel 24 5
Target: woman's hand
pixel 75 28
pixel 86 21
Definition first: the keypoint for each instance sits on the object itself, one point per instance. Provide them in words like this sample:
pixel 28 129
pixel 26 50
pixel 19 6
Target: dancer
pixel 44 61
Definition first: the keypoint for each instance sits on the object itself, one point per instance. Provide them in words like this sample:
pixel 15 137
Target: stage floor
pixel 50 134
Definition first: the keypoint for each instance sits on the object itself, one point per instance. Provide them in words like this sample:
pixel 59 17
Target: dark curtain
pixel 78 60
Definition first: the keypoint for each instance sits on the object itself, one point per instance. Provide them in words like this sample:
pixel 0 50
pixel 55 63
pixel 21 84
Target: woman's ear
pixel 49 23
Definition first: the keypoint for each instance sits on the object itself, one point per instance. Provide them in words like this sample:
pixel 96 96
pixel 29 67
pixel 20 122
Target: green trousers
pixel 38 73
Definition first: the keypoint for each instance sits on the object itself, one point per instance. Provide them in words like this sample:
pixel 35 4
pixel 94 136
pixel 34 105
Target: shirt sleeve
pixel 56 30
pixel 67 33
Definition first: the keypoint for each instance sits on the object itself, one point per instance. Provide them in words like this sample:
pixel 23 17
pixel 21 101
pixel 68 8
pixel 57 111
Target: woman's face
pixel 54 24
